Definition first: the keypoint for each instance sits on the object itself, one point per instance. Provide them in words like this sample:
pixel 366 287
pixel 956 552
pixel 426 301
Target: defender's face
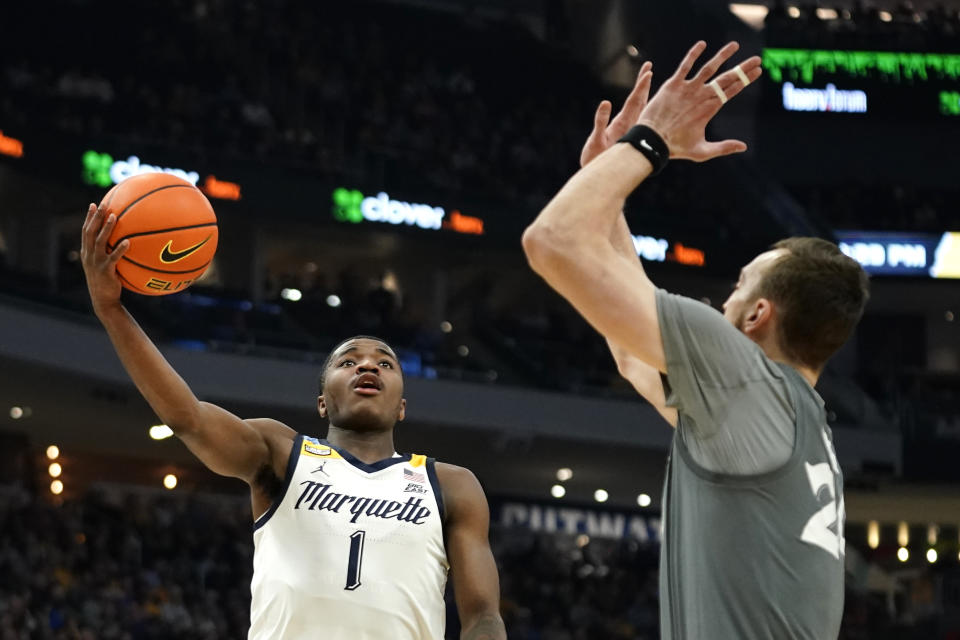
pixel 363 387
pixel 739 304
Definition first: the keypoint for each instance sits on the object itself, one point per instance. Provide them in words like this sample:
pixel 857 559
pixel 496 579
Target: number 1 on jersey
pixel 356 559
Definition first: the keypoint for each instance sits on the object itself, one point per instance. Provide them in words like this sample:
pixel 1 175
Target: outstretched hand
pixel 605 133
pixel 99 265
pixel 681 109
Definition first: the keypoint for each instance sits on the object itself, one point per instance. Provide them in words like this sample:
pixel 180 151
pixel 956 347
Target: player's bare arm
pixel 569 242
pixel 476 584
pixel 223 442
pixel 644 378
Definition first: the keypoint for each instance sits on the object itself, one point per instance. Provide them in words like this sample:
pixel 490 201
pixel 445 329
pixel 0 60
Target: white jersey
pixel 350 551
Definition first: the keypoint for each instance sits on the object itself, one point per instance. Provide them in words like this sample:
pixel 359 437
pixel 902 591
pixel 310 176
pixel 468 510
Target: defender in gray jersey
pixel 753 506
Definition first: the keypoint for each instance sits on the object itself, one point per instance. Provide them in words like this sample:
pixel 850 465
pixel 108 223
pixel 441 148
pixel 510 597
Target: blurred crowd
pixel 420 97
pixel 377 92
pixel 556 588
pixel 879 207
pixel 132 566
pixel 123 570
pixel 136 567
pixel 492 330
pixel 864 26
pixel 308 327
pixel 359 93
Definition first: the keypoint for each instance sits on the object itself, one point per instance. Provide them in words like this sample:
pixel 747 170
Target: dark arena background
pixel 305 124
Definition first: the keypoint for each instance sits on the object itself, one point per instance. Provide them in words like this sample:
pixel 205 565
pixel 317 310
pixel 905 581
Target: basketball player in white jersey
pixel 353 541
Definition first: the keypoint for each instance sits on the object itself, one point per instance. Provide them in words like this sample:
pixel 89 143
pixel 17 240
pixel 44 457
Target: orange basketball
pixel 171 228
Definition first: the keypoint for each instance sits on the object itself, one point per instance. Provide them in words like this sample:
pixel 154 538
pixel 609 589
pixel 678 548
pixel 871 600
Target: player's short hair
pixel 820 294
pixel 322 378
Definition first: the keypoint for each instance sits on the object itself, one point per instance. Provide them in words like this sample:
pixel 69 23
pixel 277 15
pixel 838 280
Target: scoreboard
pixel 863 85
pixel 903 253
pixel 875 117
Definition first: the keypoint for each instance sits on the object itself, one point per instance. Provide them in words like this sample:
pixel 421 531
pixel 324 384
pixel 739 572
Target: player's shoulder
pixel 455 474
pixel 462 491
pixel 676 306
pixel 271 429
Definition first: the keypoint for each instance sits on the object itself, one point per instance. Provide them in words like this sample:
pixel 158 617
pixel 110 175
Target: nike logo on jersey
pixel 316 496
pixel 167 256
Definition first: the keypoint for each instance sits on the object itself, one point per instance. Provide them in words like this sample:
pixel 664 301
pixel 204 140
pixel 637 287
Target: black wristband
pixel 650 144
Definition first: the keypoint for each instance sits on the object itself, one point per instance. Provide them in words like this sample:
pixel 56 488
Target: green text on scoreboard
pixel 862 84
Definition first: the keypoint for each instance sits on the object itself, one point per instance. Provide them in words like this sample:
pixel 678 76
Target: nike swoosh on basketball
pixel 167 256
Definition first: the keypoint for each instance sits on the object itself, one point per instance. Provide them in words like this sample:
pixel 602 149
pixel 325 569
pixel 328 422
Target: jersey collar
pixel 363 466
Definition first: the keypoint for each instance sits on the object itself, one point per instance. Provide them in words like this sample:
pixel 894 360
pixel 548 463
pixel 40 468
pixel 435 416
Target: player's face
pixel 363 387
pixel 740 303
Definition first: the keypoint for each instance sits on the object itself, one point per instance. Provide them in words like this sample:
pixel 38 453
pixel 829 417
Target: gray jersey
pixel 745 555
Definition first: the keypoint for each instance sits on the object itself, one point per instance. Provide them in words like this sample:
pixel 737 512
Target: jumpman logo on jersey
pixel 320 468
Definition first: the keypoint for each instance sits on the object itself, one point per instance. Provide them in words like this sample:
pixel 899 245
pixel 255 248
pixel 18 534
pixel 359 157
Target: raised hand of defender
pixel 99 266
pixel 681 109
pixel 605 133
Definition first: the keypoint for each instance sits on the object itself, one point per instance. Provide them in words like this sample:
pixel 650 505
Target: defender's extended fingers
pixel 724 148
pixel 735 86
pixel 738 86
pixel 634 104
pixel 730 83
pixel 749 68
pixel 687 63
pixel 706 71
pixel 601 117
pixel 638 95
